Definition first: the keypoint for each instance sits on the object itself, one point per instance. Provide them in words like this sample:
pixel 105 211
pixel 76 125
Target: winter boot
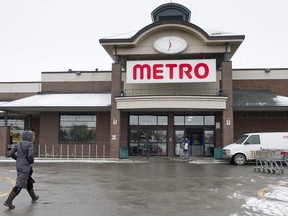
pixel 33 196
pixel 9 200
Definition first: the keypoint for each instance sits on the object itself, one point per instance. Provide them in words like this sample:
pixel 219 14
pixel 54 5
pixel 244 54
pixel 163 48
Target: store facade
pixel 170 80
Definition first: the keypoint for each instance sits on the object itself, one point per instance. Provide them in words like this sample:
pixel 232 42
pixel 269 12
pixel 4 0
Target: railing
pixel 173 91
pixel 71 151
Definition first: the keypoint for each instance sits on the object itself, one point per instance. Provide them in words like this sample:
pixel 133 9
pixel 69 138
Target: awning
pixel 60 102
pixel 174 103
pixel 256 100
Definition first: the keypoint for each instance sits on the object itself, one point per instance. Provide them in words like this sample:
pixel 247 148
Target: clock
pixel 170 45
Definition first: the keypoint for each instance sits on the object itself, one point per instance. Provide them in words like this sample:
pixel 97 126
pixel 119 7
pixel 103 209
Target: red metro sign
pixel 171 71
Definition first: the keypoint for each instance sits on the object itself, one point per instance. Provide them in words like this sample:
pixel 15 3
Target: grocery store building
pixel 170 80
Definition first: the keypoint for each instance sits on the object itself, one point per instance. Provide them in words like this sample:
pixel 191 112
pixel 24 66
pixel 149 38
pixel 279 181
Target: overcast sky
pixel 57 35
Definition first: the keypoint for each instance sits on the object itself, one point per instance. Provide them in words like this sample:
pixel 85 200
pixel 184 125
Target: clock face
pixel 170 45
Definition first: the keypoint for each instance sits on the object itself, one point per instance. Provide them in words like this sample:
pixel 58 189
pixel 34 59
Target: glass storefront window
pixel 194 120
pixel 152 136
pixel 147 120
pixel 162 149
pixel 178 120
pixel 142 150
pixel 162 120
pixel 179 137
pixel 147 141
pixel 77 129
pixel 209 120
pixel 209 142
pixel 16 129
pixel 142 136
pixel 133 120
pixel 162 136
pixel 133 149
pixel 134 136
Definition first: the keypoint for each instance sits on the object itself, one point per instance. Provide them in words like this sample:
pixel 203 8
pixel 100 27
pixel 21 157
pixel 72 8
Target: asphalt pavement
pixel 147 187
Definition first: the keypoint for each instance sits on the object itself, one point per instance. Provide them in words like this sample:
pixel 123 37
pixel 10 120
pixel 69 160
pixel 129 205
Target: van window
pixel 253 139
pixel 241 139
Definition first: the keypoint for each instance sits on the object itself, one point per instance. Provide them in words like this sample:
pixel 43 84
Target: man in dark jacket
pixel 23 153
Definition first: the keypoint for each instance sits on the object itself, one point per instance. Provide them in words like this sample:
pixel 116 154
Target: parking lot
pixel 165 188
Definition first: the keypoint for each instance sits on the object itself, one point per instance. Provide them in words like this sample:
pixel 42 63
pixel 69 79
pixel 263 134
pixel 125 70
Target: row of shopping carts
pixel 271 160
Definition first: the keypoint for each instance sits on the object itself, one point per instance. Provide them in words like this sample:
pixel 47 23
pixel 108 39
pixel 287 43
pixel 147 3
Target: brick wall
pixel 226 85
pixel 277 86
pixel 103 86
pixel 4 140
pixel 249 122
pixel 50 146
pixel 14 96
pixel 116 88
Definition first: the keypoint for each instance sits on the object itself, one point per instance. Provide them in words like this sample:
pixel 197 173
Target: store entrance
pixel 148 142
pixel 195 136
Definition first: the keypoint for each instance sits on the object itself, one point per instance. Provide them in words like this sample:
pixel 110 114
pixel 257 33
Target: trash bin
pixel 123 153
pixel 218 152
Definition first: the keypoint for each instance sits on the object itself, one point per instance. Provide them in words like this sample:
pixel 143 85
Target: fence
pixel 72 151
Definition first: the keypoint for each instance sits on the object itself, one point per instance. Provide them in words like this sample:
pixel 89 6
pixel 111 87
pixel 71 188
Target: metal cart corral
pixel 271 160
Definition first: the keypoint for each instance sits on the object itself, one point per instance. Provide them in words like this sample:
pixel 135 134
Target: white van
pixel 244 149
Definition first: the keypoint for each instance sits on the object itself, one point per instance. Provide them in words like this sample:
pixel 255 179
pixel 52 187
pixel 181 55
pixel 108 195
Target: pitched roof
pixel 259 100
pixel 65 102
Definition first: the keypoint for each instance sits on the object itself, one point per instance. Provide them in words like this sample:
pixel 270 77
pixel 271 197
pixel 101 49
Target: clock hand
pixel 170 45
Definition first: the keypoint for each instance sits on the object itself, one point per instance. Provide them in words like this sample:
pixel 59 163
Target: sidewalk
pixel 193 160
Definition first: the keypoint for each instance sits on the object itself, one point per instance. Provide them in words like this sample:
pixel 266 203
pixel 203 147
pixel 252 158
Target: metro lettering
pixel 185 69
pixel 157 71
pixel 171 68
pixel 197 71
pixel 142 69
pixel 170 71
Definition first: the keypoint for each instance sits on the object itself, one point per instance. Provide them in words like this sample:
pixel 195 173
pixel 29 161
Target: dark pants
pixel 30 181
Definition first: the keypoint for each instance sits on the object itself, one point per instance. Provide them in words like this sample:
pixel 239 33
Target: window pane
pixel 179 137
pixel 209 142
pixel 194 120
pixel 178 120
pixel 133 120
pixel 253 139
pixel 133 149
pixel 147 120
pixel 16 129
pixel 152 136
pixel 134 134
pixel 162 136
pixel 77 129
pixel 162 149
pixel 162 120
pixel 209 120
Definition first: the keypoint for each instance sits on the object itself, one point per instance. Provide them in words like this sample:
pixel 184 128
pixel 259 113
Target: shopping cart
pixel 271 160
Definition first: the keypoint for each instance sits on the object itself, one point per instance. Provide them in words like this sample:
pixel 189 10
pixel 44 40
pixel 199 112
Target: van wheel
pixel 239 159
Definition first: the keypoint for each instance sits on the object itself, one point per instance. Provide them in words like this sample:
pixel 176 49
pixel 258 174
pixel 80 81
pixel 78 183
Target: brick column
pixel 227 117
pixel 115 123
pixel 4 141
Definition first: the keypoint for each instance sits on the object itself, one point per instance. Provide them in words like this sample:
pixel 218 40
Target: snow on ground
pixel 272 200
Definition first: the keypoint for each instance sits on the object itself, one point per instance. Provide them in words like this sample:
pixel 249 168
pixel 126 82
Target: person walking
pixel 186 148
pixel 23 153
